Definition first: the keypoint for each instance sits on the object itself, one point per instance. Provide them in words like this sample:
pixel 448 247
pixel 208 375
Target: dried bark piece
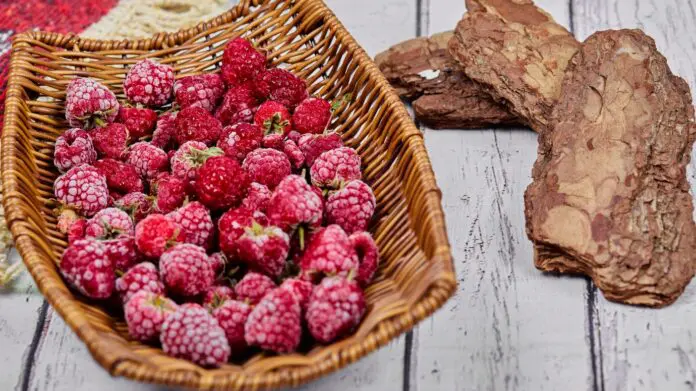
pixel 610 197
pixel 518 52
pixel 422 70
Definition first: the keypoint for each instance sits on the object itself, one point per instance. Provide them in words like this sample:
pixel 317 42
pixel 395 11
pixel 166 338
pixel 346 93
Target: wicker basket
pixel 416 274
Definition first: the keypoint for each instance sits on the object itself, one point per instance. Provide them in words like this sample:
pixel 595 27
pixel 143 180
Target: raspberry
pixel 257 198
pixel 221 183
pixel 196 223
pixel 264 249
pixel 140 122
pixel 217 295
pixel 217 262
pixel 253 287
pixel 122 252
pixel 76 231
pixel 294 136
pixel 293 203
pixel 232 315
pixel 82 188
pixel 294 154
pixel 301 289
pixel 163 136
pixel 196 124
pixel 312 115
pixel 88 269
pixel 147 159
pixel 241 62
pixel 238 105
pixel 368 254
pixel 273 140
pixel 273 118
pixel 89 103
pixel 141 277
pixel 281 86
pixel 330 252
pixel 239 139
pixel 109 223
pixel 335 308
pixel 190 157
pixel 193 334
pixel 335 167
pixel 73 147
pixel 267 166
pixel 351 207
pixel 186 270
pixel 156 233
pixel 110 141
pixel 170 190
pixel 275 324
pixel 232 225
pixel 199 91
pixel 149 83
pixel 313 145
pixel 145 313
pixel 120 177
pixel 136 204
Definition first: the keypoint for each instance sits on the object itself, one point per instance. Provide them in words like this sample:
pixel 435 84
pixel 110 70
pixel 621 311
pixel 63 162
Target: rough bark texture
pixel 422 71
pixel 610 197
pixel 518 52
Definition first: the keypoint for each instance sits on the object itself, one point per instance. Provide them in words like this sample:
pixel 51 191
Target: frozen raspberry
pixel 149 83
pixel 257 198
pixel 82 188
pixel 312 115
pixel 192 334
pixel 73 147
pixel 66 218
pixel 253 287
pixel 368 255
pixel 186 270
pixel 300 288
pixel 294 154
pixel 87 268
pixel 232 316
pixel 120 177
pixel 335 167
pixel 330 252
pixel 141 277
pixel 196 223
pixel 216 295
pixel 293 203
pixel 199 91
pixel 156 233
pixel 294 136
pixel 281 86
pixel 239 139
pixel 147 159
pixel 238 105
pixel 275 324
pixel 140 122
pixel 221 183
pixel 217 262
pixel 190 157
pixel 170 192
pixel 273 140
pixel 273 118
pixel 89 103
pixel 136 204
pixel 313 145
pixel 163 136
pixel 267 166
pixel 351 207
pixel 264 249
pixel 122 252
pixel 76 231
pixel 196 124
pixel 109 223
pixel 110 141
pixel 145 313
pixel 241 62
pixel 335 308
pixel 232 225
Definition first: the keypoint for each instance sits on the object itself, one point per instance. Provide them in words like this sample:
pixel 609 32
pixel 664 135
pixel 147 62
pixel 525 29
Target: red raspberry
pixel 238 105
pixel 186 270
pixel 294 153
pixel 313 145
pixel 196 124
pixel 232 225
pixel 264 249
pixel 120 177
pixel 141 277
pixel 199 91
pixel 190 157
pixel 77 230
pixel 140 122
pixel 122 253
pixel 330 252
pixel 217 295
pixel 156 233
pixel 110 141
pixel 351 207
pixel 241 62
pixel 196 223
pixel 301 289
pixel 281 86
pixel 335 167
pixel 88 269
pixel 163 136
pixel 232 316
pixel 274 141
pixel 136 204
pixel 368 254
pixel 221 183
pixel 82 188
pixel 293 203
pixel 294 136
pixel 109 223
pixel 335 308
pixel 170 191
pixel 273 118
pixel 257 198
pixel 193 334
pixel 239 139
pixel 73 147
pixel 267 166
pixel 145 313
pixel 217 262
pixel 149 83
pixel 253 287
pixel 312 115
pixel 147 159
pixel 275 324
pixel 89 103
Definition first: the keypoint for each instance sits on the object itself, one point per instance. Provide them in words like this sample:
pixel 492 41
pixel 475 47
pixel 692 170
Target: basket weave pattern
pixel 416 275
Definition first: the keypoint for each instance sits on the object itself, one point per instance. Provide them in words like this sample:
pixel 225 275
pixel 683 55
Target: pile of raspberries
pixel 217 209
